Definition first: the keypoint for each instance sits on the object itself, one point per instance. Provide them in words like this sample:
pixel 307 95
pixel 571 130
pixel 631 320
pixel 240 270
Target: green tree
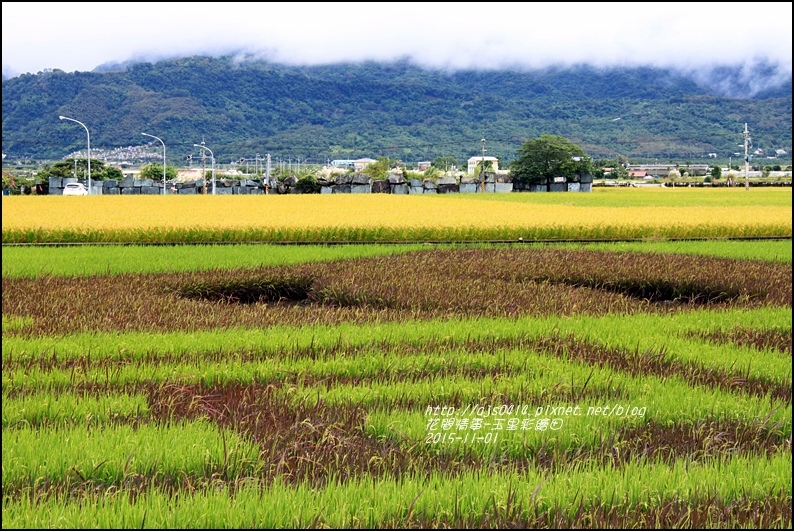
pixel 113 173
pixel 379 169
pixel 444 163
pixel 548 156
pixel 598 166
pixel 715 171
pixel 9 181
pixel 65 168
pixel 18 184
pixel 154 171
pixel 72 167
pixel 431 173
pixel 307 183
pixel 618 172
pixel 43 174
pixel 478 168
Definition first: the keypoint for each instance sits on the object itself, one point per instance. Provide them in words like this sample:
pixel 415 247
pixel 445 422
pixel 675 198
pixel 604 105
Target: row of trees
pixel 100 171
pixel 79 168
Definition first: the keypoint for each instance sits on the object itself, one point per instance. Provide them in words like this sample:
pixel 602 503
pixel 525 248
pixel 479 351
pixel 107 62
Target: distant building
pixel 360 164
pixel 422 166
pixel 473 161
pixel 662 170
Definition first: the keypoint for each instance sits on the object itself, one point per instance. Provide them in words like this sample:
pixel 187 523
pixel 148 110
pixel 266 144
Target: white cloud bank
pixel 81 36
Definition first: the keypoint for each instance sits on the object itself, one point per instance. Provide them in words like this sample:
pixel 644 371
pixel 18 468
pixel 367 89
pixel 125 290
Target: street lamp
pixel 163 143
pixel 212 157
pixel 89 148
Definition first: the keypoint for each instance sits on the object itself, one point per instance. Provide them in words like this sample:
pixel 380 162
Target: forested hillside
pixel 382 109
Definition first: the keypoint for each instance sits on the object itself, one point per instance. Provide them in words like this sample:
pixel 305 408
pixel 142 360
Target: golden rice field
pixel 602 214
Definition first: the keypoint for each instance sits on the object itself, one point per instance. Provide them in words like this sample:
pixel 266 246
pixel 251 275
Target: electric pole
pixel 746 158
pixel 482 168
pixel 267 173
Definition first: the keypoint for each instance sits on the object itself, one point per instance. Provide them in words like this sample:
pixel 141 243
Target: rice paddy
pixel 675 213
pixel 643 384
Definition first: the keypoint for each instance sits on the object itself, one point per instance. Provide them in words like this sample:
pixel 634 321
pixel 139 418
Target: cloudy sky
pixel 77 36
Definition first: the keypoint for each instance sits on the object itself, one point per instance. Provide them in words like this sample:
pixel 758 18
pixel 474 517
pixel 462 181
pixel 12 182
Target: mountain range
pixel 396 109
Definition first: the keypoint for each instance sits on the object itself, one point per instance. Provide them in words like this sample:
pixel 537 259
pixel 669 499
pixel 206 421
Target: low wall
pixel 344 184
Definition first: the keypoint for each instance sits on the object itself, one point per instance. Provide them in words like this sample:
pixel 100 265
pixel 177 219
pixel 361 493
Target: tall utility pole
pixel 267 173
pixel 746 158
pixel 482 167
pixel 212 157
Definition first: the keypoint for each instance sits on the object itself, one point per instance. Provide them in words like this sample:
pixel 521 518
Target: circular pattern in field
pixel 423 285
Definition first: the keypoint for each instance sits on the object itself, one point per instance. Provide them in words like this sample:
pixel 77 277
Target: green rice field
pixel 623 384
pixel 26 261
